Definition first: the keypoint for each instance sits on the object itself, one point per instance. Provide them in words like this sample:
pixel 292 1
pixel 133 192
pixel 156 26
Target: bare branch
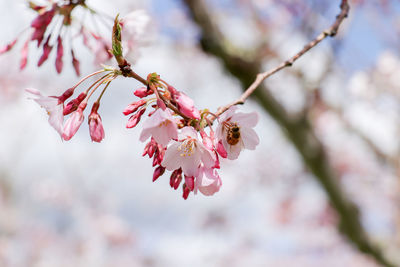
pixel 298 130
pixel 331 31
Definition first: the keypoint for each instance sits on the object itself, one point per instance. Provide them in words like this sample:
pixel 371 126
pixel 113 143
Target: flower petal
pixel 250 138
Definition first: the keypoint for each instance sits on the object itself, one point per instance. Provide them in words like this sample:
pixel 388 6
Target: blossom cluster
pixel 180 138
pixel 53 27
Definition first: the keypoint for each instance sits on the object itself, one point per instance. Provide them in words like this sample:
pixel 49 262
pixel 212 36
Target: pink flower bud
pixel 7 47
pixel 176 178
pixel 135 119
pixel 75 63
pixel 46 52
pixel 158 172
pixel 60 53
pixel 189 181
pixel 185 105
pixel 74 103
pixel 134 106
pixel 24 55
pixel 150 148
pixel 73 123
pixel 95 125
pixel 143 92
pixel 186 191
pixel 158 155
pixel 43 20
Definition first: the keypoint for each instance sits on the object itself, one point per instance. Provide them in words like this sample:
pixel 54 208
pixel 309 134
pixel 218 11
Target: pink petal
pixel 7 47
pixel 24 55
pixel 60 53
pixel 249 137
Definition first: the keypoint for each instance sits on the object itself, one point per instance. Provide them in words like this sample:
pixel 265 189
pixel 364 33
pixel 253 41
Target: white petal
pixel 207 157
pixel 190 164
pixel 233 151
pixel 172 158
pixel 249 137
pixel 145 134
pixel 188 131
pixel 56 118
pixel 246 119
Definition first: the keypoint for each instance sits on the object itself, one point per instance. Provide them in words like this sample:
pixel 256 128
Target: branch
pixel 298 130
pixel 331 32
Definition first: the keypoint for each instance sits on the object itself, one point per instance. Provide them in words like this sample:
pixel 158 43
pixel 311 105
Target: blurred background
pixel 80 203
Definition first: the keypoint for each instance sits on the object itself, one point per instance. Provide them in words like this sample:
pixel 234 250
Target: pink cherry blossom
pixel 208 181
pixel 161 126
pixel 248 137
pixel 137 31
pixel 95 125
pixel 187 153
pixel 74 122
pixel 54 107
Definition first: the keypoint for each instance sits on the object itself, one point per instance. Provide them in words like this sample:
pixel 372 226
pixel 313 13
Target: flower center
pixel 187 147
pixel 164 123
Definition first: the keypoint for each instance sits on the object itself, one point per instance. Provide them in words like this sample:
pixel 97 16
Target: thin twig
pixel 330 32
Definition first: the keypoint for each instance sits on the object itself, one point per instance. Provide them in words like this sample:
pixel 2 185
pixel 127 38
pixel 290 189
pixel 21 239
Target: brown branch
pixel 298 130
pixel 331 31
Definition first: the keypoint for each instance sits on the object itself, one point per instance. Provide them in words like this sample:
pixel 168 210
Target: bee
pixel 233 134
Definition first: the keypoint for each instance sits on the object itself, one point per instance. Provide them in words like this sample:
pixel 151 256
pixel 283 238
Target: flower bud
pixel 73 123
pixel 135 119
pixel 143 92
pixel 158 172
pixel 95 124
pixel 131 108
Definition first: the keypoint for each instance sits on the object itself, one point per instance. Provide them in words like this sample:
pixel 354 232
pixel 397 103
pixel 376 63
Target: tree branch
pixel 298 130
pixel 331 32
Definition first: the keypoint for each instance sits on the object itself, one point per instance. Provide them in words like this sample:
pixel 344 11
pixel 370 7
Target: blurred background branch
pixel 297 128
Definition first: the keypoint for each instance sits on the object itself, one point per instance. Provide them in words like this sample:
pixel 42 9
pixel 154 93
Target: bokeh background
pixel 80 203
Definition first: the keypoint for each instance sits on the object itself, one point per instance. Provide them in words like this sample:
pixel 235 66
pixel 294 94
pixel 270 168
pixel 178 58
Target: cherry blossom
pixel 95 125
pixel 208 182
pixel 161 126
pixel 136 32
pixel 187 153
pixel 247 137
pixel 54 106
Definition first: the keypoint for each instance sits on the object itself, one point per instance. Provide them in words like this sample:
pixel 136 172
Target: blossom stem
pixel 102 92
pixel 87 77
